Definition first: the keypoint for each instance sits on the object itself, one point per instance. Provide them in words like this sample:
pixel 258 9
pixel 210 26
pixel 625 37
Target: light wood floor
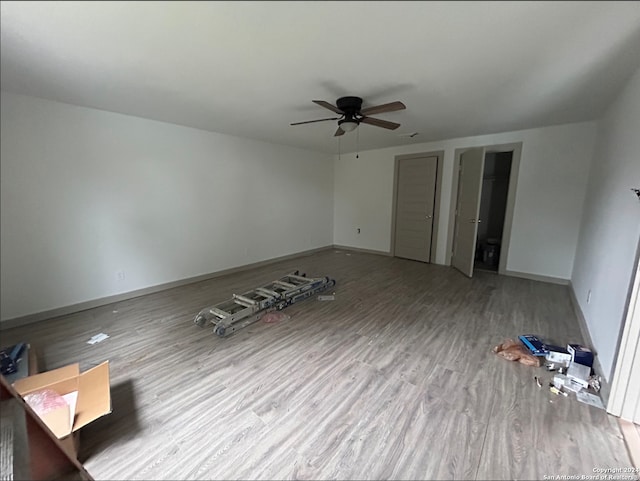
pixel 395 379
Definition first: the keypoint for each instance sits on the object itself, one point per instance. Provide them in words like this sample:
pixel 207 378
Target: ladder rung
pixel 267 292
pixel 285 284
pixel 218 312
pixel 245 300
pixel 306 280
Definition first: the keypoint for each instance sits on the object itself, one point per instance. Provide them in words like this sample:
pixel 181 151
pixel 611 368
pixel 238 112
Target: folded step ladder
pixel 248 307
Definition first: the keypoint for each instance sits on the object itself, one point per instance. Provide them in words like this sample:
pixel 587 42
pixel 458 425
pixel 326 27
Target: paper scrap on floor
pixel 590 399
pixel 326 298
pixel 98 338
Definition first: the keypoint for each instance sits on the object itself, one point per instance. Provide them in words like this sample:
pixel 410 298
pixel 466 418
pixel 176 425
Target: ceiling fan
pixel 352 114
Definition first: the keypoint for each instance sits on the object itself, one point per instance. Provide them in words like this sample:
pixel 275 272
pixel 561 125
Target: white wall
pixel 610 225
pixel 551 189
pixel 87 193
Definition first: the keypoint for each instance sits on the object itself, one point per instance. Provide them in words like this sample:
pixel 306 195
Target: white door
pixel 415 202
pixel 467 210
pixel 624 400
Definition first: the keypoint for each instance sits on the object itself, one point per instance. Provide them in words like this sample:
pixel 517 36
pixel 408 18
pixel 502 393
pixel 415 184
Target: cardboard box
pixel 579 373
pixel 580 354
pixel 92 401
pixel 534 344
pixel 557 355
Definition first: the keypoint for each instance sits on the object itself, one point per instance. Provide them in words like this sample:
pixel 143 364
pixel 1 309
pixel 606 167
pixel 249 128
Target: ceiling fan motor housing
pixel 351 107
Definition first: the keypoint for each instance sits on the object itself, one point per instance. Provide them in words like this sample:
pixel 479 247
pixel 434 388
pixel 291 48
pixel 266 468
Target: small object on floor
pixel 10 357
pixel 275 316
pixel 572 386
pixel 590 399
pixel 579 373
pixel 514 351
pixel 326 298
pixel 560 380
pixel 580 354
pixel 557 391
pixel 557 355
pixel 594 383
pixel 534 344
pixel 97 338
pixel 554 367
pixel 537 381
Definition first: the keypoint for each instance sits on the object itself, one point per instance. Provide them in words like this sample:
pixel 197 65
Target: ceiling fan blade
pixel 378 109
pixel 312 121
pixel 385 124
pixel 339 132
pixel 327 105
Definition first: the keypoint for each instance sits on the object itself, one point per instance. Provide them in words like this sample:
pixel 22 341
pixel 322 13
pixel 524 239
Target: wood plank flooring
pixel 395 379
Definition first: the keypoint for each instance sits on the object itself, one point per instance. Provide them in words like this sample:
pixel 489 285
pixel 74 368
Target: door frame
pixel 439 154
pixel 621 395
pixel 516 148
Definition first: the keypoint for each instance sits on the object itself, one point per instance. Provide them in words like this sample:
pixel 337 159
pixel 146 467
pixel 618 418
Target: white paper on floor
pixel 326 298
pixel 98 338
pixel 590 399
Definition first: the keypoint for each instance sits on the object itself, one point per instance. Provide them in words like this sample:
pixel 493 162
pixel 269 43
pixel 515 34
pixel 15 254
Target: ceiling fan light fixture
pixel 348 125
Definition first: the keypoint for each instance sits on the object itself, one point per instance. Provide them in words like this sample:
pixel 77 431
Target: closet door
pixel 415 203
pixel 470 173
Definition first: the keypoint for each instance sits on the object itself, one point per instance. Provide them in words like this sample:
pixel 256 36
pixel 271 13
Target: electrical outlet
pixel 589 296
pixel 358 230
pixel 120 275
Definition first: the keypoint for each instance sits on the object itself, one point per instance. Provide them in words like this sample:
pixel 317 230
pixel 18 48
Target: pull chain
pixel 357 143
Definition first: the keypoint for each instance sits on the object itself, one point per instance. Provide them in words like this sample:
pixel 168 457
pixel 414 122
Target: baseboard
pixel 605 387
pixel 537 277
pixel 83 306
pixel 364 251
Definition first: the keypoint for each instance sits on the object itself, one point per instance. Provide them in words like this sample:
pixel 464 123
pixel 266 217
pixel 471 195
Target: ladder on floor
pixel 246 308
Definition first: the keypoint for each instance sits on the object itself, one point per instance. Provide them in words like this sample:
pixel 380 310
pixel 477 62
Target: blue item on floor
pixel 9 358
pixel 535 345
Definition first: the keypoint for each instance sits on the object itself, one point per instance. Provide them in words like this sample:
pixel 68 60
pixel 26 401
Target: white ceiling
pixel 251 68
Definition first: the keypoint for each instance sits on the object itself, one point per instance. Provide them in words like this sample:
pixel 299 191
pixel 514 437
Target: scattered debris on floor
pixel 275 316
pixel 514 351
pixel 594 383
pixel 97 338
pixel 590 399
pixel 327 298
pixel 571 367
pixel 557 391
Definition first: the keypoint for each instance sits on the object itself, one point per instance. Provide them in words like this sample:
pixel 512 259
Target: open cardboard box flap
pixel 94 395
pixel 43 380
